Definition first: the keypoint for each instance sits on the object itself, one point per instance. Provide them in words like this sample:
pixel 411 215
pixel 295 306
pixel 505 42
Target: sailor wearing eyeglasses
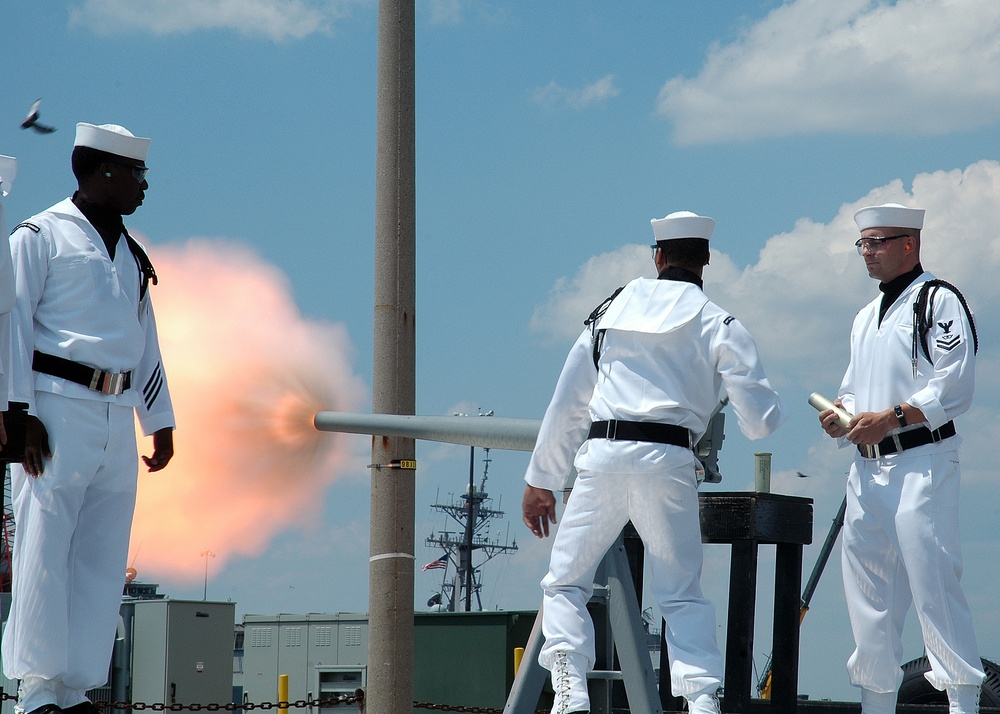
pixel 86 362
pixel 911 373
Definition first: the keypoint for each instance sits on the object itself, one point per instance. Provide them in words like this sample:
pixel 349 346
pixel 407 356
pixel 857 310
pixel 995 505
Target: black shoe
pixel 46 709
pixel 84 707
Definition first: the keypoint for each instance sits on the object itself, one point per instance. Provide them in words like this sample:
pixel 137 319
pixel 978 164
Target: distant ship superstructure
pixel 473 515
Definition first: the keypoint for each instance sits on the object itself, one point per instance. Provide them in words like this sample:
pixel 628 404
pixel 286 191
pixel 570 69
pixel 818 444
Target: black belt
pixel 907 440
pixel 641 431
pixel 99 381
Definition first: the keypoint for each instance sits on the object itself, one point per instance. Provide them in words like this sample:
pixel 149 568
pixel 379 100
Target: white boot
pixel 704 702
pixel 569 682
pixel 878 702
pixel 963 699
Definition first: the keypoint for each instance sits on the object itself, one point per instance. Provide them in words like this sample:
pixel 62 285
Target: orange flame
pixel 247 373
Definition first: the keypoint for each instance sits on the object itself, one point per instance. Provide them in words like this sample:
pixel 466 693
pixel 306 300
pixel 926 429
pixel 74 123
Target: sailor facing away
pixel 635 395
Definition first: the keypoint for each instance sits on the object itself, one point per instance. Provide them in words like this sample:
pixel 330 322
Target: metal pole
pixel 206 554
pixel 282 693
pixel 824 555
pixel 390 598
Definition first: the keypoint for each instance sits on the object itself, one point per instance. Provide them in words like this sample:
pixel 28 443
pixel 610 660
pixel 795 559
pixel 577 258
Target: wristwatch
pixel 899 414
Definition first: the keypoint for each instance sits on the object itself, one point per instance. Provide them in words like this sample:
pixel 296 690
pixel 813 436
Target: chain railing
pixel 343 699
pixel 457 708
pixel 357 698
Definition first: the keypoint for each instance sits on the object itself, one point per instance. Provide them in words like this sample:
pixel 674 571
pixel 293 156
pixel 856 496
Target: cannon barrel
pixel 491 432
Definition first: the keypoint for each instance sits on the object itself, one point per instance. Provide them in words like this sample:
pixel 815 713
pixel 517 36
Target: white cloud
pixel 800 297
pixel 571 299
pixel 919 67
pixel 274 19
pixel 554 94
pixel 444 12
pixel 455 12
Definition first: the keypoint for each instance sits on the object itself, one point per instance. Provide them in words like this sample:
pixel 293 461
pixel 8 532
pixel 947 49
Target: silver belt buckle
pixel 612 431
pixel 870 452
pixel 112 383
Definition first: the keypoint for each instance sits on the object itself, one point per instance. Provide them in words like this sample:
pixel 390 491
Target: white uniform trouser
pixel 663 507
pixel 70 551
pixel 901 546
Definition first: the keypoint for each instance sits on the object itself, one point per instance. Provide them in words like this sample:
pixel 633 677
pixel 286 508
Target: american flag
pixel 440 563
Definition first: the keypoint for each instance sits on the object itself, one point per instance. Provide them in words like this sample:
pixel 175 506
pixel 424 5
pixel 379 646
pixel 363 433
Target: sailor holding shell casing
pixel 911 373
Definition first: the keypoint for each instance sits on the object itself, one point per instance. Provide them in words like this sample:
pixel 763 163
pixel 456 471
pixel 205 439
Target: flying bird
pixel 31 121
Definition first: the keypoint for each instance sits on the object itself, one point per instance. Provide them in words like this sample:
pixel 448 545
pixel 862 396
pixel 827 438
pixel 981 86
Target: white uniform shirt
pixel 667 356
pixel 880 373
pixel 74 302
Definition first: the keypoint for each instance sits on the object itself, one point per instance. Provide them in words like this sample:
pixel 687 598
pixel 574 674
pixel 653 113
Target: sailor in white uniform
pixel 626 412
pixel 86 362
pixel 912 372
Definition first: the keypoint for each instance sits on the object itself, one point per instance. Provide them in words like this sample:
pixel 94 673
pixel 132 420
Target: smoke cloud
pixel 247 373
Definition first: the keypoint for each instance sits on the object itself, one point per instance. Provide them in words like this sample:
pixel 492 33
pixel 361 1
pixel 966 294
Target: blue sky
pixel 548 135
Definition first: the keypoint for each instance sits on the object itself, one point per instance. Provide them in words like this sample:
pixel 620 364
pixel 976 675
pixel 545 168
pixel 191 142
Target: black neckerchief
pixel 894 288
pixel 108 224
pixel 111 228
pixel 672 272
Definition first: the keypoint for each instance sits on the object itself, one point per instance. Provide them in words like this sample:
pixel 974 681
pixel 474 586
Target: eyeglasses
pixel 138 172
pixel 875 243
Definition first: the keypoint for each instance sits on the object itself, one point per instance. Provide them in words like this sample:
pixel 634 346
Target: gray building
pixel 324 656
pixel 166 651
pixel 460 659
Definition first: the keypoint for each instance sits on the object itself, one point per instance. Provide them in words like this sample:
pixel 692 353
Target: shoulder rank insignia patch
pixel 32 226
pixel 948 341
pixel 728 319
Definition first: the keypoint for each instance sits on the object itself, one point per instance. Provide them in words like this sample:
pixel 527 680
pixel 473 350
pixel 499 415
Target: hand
pixel 870 428
pixel 538 509
pixel 163 449
pixel 828 420
pixel 36 447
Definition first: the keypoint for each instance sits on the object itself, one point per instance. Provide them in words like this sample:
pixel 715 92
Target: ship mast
pixel 473 515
